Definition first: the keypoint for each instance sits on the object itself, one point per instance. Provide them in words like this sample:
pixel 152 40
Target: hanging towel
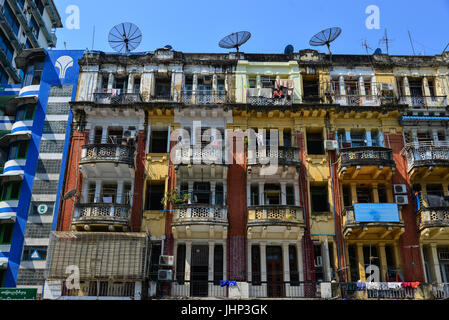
pixel 286 83
pixel 414 285
pixel 383 286
pixel 394 285
pixel 361 285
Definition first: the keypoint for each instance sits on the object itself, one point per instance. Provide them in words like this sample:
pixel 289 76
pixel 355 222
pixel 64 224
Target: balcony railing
pixel 357 100
pixel 115 98
pixel 200 213
pixel 107 153
pixel 275 214
pixel 366 156
pixel 284 155
pixel 432 211
pixel 102 213
pixel 423 101
pixel 377 218
pixel 101 289
pixel 426 154
pixel 204 97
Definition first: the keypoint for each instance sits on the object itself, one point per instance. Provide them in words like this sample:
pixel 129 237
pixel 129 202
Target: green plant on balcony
pixel 175 197
pixel 290 216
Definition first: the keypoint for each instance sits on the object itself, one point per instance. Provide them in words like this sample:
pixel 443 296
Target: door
pixel 445 272
pixel 199 273
pixel 275 281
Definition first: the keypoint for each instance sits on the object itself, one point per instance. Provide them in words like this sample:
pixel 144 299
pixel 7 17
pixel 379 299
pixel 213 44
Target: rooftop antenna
pixel 65 45
pixel 444 50
pixel 325 37
pixel 366 46
pixel 93 38
pixel 125 37
pixel 386 41
pixel 234 40
pixel 411 42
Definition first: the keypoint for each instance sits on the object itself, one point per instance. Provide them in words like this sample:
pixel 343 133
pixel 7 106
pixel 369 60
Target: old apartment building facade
pixel 270 173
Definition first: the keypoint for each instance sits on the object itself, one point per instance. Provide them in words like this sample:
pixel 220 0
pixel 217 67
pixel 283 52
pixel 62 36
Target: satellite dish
pixel 125 37
pixel 325 37
pixel 235 40
pixel 378 51
pixel 289 49
pixel 70 194
pixel 168 47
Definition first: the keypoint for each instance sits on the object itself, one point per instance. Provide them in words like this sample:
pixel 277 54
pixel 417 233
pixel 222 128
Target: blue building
pixel 34 148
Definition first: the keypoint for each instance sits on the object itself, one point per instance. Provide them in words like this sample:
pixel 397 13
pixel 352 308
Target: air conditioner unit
pixel 401 199
pixel 164 275
pixel 318 261
pixel 330 144
pixel 400 188
pixel 166 260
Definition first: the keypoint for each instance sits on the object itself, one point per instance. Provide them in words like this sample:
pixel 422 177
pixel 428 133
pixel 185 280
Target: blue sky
pixel 198 25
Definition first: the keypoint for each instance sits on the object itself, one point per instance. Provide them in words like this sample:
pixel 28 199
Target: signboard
pixel 18 294
pixel 376 212
pixel 42 208
pixel 35 255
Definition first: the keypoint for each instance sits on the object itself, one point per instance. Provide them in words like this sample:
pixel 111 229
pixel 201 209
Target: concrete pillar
pixel 190 190
pixel 263 261
pixel 104 135
pixel 225 191
pixel 436 272
pixel 421 248
pixel 188 264
pixel 327 262
pixel 211 261
pixel 99 82
pixel 194 86
pixel 369 140
pixel 362 91
pixel 212 190
pixel 110 82
pixel 341 82
pixel 225 266
pixel 85 191
pixel 248 193
pixel 249 262
pixel 258 82
pixel 119 195
pixel 348 264
pixel 383 262
pixel 130 88
pixel 286 263
pixel 361 262
pixel 354 193
pixel 261 193
pixel 296 188
pixel 97 197
pixel 300 260
pixel 435 136
pixel 214 84
pixel 397 257
pixel 373 86
pixel 283 193
pixel 389 191
pixel 375 193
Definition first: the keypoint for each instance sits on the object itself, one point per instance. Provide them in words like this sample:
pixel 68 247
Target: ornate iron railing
pixel 107 153
pixel 113 98
pixel 204 97
pixel 263 101
pixel 366 156
pixel 102 211
pixel 281 213
pixel 432 211
pixel 284 155
pixel 425 154
pixel 357 100
pixel 200 212
pixel 423 101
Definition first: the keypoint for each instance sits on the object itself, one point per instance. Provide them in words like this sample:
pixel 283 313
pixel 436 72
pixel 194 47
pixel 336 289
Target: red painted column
pixel 412 267
pixel 73 179
pixel 136 213
pixel 307 243
pixel 236 200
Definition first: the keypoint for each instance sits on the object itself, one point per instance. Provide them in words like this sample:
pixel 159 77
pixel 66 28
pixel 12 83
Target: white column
pixel 225 261
pixel 188 264
pixel 369 140
pixel 362 86
pixel 263 266
pixel 110 82
pixel 85 191
pixel 286 263
pixel 104 135
pixel 406 91
pixel 421 248
pixel 190 190
pixel 249 264
pixel 97 191
pixel 194 86
pixel 119 196
pixel 225 191
pixel 436 263
pixel 296 188
pixel 211 261
pixel 435 136
pixel 214 84
pixel 147 146
pixel 283 193
pixel 327 264
pixel 341 83
pixel 248 193
pixel 131 83
pixel 300 263
pixel 261 193
pixel 373 86
pixel 212 190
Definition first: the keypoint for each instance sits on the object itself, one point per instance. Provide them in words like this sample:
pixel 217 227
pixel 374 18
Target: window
pixel 2 277
pixel 290 195
pixel 159 141
pixel 40 6
pixel 109 193
pixel 370 255
pixel 10 190
pixel 319 199
pixel 180 263
pixel 5 45
pixel 34 26
pixel 358 139
pixel 364 195
pixel 272 194
pixel 11 18
pixel 382 191
pixel 293 262
pixel 6 230
pixel 18 150
pixel 318 262
pixel 315 143
pixel 218 264
pixel 162 88
pixel 3 76
pixel 155 193
pixel 352 255
pixel 255 266
pixel 201 192
pixel 287 134
pixel 347 196
pixel 154 262
pixel 254 195
pixel 25 113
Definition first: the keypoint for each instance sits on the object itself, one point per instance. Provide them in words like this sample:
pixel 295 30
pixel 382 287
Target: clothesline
pixel 361 286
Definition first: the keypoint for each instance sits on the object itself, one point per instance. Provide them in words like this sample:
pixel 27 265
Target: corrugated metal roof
pixel 98 255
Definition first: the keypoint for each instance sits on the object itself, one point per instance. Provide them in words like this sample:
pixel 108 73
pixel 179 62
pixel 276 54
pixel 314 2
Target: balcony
pixel 424 102
pixel 96 160
pixel 191 97
pixel 357 100
pixel 433 216
pixel 275 222
pixel 284 156
pixel 110 215
pixel 116 98
pixel 200 221
pixel 372 221
pixel 370 161
pixel 427 159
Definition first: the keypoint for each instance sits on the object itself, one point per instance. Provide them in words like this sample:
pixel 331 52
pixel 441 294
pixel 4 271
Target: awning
pixel 117 256
pixel 3 263
pixel 11 176
pixel 22 59
pixel 7 139
pixel 8 217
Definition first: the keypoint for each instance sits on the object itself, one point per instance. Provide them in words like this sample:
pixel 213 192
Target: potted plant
pixel 175 197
